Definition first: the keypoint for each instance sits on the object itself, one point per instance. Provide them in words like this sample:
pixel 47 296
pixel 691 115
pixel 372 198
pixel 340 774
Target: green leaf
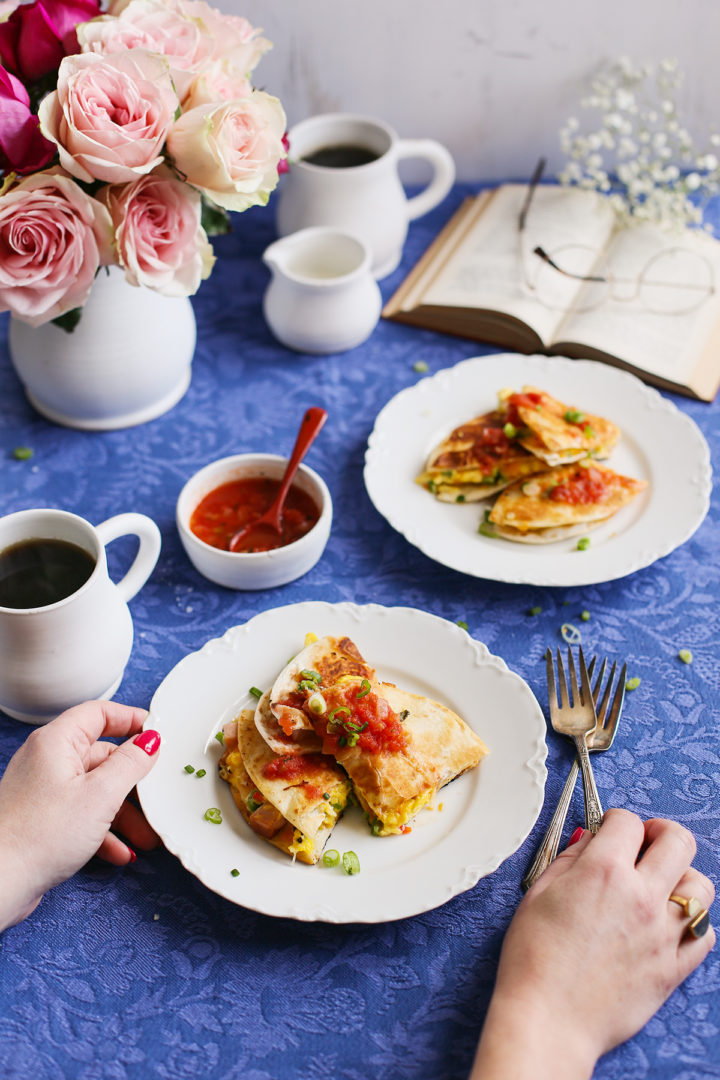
pixel 215 221
pixel 69 320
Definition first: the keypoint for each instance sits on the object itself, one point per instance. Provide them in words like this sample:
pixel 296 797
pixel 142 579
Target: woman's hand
pixel 594 949
pixel 62 793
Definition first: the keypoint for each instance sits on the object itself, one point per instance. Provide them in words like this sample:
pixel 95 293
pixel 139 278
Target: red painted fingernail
pixel 133 856
pixel 149 741
pixel 575 836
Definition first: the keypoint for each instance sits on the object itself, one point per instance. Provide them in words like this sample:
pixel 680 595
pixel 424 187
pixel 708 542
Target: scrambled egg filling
pixel 300 844
pixel 392 822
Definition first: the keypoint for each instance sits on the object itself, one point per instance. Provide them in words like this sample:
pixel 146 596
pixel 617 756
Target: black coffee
pixel 35 573
pixel 342 156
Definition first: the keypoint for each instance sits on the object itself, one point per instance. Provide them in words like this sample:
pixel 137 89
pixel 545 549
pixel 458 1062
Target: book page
pixel 654 273
pixel 493 266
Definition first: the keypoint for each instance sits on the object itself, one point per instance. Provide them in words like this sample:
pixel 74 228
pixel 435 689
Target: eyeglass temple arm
pixel 542 253
pixel 534 181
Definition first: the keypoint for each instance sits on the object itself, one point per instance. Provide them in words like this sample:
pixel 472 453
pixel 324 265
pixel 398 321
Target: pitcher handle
pixel 143 564
pixel 443 173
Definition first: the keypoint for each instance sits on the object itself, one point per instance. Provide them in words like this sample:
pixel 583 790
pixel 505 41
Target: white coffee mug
pixel 62 653
pixel 366 199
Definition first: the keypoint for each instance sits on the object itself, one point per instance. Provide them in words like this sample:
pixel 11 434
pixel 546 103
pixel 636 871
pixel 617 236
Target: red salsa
pixel 584 486
pixel 297 767
pixel 378 728
pixel 489 444
pixel 230 507
pixel 521 401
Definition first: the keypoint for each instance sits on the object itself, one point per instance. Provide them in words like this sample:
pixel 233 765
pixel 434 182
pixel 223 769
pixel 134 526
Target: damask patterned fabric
pixel 143 972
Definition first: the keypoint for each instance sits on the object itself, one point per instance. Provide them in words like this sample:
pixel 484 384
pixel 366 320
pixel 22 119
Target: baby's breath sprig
pixel 640 154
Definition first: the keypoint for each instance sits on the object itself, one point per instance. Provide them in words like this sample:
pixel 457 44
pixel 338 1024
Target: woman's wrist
pixel 18 897
pixel 524 1037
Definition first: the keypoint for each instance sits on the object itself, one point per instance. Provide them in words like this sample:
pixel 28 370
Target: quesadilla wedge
pixel 561 502
pixel 393 773
pixel 292 801
pixel 476 461
pixel 556 433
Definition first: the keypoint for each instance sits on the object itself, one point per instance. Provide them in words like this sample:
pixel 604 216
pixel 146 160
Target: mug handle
pixel 443 173
pixel 143 564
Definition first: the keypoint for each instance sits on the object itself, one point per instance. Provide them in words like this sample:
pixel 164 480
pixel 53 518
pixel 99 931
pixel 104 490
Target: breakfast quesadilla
pixel 293 801
pixel 556 433
pixel 561 502
pixel 394 771
pixel 476 461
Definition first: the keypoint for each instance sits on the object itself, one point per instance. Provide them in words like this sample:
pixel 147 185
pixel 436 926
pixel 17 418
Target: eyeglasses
pixel 673 281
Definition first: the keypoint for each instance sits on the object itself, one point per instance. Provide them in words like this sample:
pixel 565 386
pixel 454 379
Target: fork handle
pixel 548 848
pixel 593 809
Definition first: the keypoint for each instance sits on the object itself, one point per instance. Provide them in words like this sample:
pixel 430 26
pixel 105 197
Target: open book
pixel 481 279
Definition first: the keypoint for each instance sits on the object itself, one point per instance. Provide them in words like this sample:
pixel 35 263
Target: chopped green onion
pixel 189 768
pixel 200 773
pixel 326 796
pixel 376 827
pixel 404 714
pixel 588 432
pixel 213 815
pixel 307 684
pixel 331 858
pixel 308 673
pixel 352 739
pixel 510 430
pixel 420 366
pixel 255 692
pixel 335 711
pixel 342 741
pixel 317 704
pixel 574 417
pixel 337 806
pixel 462 625
pixel 235 872
pixel 459 498
pixel 351 863
pixel 570 634
pixel 365 688
pixel 432 487
pixel 632 684
pixel 486 528
pixel 23 453
pixel 686 656
pixel 220 737
pixel 534 610
pixel 583 543
pixel 252 803
pixel 585 615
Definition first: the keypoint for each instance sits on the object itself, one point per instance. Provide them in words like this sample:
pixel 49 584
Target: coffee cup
pixel 343 173
pixel 65 628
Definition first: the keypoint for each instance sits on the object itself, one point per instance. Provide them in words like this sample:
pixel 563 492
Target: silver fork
pixel 599 739
pixel 576 719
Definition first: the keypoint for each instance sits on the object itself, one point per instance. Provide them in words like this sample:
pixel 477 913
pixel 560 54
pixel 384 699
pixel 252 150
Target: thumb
pixel 125 766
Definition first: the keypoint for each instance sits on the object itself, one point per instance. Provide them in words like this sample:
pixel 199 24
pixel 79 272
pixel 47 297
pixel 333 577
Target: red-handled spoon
pixel 266 532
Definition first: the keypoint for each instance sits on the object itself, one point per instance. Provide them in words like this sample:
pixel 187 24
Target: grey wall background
pixel 492 79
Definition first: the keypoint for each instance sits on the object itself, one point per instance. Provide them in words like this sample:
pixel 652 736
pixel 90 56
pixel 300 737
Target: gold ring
pixel 698 915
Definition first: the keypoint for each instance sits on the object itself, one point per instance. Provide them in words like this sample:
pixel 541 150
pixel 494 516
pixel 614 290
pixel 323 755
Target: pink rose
pixel 231 150
pixel 53 238
pixel 35 37
pixel 158 26
pixel 236 40
pixel 110 115
pixel 22 147
pixel 218 82
pixel 158 236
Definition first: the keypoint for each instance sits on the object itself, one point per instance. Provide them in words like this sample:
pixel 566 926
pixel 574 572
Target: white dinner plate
pixel 486 813
pixel 659 444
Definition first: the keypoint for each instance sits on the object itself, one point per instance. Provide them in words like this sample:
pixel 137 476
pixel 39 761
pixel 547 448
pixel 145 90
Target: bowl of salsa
pixel 232 492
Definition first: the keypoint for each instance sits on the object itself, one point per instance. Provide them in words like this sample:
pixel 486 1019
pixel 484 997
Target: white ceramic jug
pixel 76 649
pixel 322 297
pixel 367 199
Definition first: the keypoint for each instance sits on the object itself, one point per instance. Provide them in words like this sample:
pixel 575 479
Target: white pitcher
pixel 322 297
pixel 368 199
pixel 76 649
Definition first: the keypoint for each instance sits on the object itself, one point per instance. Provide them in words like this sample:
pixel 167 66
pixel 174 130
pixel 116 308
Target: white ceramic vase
pixel 127 361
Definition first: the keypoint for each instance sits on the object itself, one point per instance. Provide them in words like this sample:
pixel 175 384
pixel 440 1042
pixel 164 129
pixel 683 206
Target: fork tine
pixel 576 692
pixel 598 681
pixel 585 682
pixel 601 708
pixel 618 699
pixel 552 692
pixel 564 699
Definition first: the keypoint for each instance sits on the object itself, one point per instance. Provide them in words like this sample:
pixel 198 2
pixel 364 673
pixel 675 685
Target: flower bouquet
pixel 125 138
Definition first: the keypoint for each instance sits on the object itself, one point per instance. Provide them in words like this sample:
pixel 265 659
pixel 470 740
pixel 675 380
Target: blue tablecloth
pixel 143 972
